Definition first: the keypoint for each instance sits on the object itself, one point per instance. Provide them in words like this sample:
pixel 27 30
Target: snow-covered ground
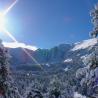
pixel 48 65
pixel 84 56
pixel 77 95
pixel 67 60
pixel 66 69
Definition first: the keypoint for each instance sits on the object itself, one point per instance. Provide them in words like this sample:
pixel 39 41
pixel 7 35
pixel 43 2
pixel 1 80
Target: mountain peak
pixel 85 44
pixel 19 45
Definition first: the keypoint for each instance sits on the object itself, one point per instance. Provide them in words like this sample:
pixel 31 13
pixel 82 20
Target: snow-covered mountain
pixel 62 56
pixel 85 44
pixel 19 45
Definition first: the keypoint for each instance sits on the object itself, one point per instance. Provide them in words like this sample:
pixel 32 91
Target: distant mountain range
pixel 61 57
pixel 19 45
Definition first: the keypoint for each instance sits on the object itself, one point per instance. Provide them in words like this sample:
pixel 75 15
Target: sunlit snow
pixel 84 44
pixel 77 95
pixel 67 60
pixel 19 45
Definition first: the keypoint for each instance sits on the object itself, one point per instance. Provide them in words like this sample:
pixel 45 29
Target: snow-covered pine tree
pixel 87 77
pixel 55 87
pixel 7 88
pixel 94 14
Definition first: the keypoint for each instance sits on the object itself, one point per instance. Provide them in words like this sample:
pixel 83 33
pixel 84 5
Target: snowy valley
pixel 59 66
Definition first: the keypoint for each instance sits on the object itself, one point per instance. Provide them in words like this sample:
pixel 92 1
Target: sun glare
pixel 3 29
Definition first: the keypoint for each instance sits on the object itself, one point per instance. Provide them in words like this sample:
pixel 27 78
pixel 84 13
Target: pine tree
pixel 55 87
pixel 7 88
pixel 87 77
pixel 94 14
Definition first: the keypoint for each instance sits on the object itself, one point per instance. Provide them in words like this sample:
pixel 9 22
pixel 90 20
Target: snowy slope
pixel 85 44
pixel 19 45
pixel 68 60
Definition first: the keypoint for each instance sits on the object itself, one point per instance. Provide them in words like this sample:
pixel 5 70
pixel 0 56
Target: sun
pixel 4 30
pixel 2 21
pixel 2 15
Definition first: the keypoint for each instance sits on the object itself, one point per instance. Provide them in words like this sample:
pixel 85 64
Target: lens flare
pixel 10 35
pixel 2 27
pixel 10 7
pixel 14 39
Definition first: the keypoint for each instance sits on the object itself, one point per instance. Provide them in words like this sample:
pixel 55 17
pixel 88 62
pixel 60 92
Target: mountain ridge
pixel 61 56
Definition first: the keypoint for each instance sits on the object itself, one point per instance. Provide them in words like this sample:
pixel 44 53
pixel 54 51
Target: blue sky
pixel 46 23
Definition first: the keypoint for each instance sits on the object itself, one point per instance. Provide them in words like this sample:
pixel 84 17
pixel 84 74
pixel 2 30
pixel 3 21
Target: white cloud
pixel 19 45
